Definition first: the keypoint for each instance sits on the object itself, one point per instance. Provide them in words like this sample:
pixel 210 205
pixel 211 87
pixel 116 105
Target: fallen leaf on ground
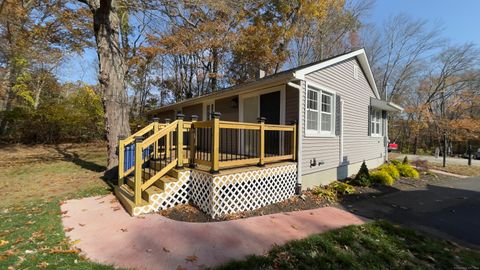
pixel 141 217
pixel 3 243
pixel 75 242
pixel 64 212
pixel 166 249
pixel 191 259
pixel 30 222
pixel 68 229
pixel 81 225
pixel 124 230
pixel 64 251
pixel 294 226
pixel 42 265
pixel 20 239
pixel 116 208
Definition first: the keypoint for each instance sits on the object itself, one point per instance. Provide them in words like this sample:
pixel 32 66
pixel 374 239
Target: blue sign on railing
pixel 129 154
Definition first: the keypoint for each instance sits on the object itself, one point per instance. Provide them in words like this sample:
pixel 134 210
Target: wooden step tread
pixel 151 191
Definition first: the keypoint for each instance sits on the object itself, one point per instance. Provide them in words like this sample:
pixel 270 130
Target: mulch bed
pixel 305 201
pixel 191 213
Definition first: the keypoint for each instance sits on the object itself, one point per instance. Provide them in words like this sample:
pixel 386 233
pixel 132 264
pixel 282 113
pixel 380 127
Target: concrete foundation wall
pixel 329 175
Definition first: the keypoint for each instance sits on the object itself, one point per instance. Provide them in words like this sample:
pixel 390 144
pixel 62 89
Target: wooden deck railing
pixel 157 148
pixel 221 144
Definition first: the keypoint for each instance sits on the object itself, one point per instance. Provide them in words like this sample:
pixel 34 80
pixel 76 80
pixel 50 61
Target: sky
pixel 460 20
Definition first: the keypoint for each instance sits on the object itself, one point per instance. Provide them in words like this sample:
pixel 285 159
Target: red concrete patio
pixel 105 233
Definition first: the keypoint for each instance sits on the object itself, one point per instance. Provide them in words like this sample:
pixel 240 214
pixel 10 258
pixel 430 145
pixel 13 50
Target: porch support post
pixel 216 142
pixel 138 170
pixel 179 145
pixel 261 143
pixel 121 160
pixel 167 140
pixel 294 141
pixel 193 141
pixel 155 145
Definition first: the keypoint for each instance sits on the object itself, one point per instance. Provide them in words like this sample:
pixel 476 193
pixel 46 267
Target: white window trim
pixel 205 104
pixel 371 122
pixel 319 132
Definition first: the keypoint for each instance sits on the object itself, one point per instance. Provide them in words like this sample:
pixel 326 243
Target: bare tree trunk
pixel 112 68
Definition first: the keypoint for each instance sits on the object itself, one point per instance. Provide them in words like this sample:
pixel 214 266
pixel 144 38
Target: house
pixel 260 141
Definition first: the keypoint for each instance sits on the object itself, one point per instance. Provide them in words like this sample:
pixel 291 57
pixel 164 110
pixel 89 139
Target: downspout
pixel 341 131
pixel 298 187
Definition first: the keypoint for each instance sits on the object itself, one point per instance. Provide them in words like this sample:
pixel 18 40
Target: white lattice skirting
pixel 219 195
pixel 243 191
pixel 175 193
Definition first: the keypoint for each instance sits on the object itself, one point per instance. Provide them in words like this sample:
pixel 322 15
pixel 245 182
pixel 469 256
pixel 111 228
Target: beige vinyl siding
pixel 358 145
pixel 196 109
pixel 166 114
pixel 224 106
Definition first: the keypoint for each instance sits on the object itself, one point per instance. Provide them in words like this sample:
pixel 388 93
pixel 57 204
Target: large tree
pixel 112 68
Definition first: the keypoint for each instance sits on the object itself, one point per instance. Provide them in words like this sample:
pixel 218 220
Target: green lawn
pixel 32 237
pixel 377 245
pixel 36 179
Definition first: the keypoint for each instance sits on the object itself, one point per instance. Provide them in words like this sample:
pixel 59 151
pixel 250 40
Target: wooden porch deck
pixel 152 156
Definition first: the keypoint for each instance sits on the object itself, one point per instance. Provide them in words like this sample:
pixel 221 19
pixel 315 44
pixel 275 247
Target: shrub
pixel 395 162
pixel 330 192
pixel 391 170
pixel 363 177
pixel 408 171
pixel 342 188
pixel 325 192
pixel 405 160
pixel 382 177
pixel 421 164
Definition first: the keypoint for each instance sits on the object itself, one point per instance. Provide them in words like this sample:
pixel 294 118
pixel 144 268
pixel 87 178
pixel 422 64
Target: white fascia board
pixel 362 58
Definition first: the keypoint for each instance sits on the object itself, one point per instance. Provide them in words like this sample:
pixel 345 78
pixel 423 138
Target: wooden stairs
pixel 125 192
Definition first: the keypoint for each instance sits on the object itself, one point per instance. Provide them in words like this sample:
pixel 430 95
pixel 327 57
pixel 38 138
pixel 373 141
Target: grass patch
pixel 34 180
pixel 377 245
pixel 47 172
pixel 457 169
pixel 32 237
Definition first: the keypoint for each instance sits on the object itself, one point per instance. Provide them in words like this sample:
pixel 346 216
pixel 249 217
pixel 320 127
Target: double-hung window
pixel 320 112
pixel 376 122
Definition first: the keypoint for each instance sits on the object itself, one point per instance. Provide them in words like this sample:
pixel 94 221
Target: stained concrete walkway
pixel 105 233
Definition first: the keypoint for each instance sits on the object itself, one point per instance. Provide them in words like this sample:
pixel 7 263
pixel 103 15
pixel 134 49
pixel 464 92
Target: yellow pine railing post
pixel 138 170
pixel 155 145
pixel 215 151
pixel 121 160
pixel 179 142
pixel 261 143
pixel 193 141
pixel 294 141
pixel 167 140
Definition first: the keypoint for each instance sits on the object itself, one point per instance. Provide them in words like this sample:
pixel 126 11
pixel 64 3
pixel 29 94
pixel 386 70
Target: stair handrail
pixel 130 139
pixel 140 183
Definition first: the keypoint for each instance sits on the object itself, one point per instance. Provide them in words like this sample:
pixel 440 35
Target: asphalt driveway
pixel 448 208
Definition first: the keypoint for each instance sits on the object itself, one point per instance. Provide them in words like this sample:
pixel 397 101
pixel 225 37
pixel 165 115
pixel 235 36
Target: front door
pixel 270 109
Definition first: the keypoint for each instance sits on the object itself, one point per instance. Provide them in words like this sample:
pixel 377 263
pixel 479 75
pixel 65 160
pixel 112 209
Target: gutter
pixel 266 82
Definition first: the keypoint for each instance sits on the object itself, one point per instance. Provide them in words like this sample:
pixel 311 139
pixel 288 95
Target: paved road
pixel 450 160
pixel 448 208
